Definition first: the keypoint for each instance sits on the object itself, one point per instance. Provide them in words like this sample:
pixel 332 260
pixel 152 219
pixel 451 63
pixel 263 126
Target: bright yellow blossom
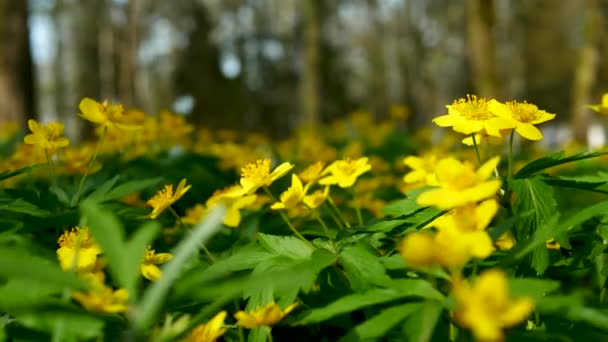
pixel 601 108
pixel 148 267
pixel 345 172
pixel 525 115
pixel 317 198
pixel 101 298
pixel 459 184
pixel 291 197
pixel 48 137
pixel 486 307
pixel 235 199
pixel 312 173
pixel 269 315
pixel 505 242
pixel 210 331
pixel 423 169
pixel 472 115
pixel 77 248
pixel 195 214
pixel 418 249
pixel 165 197
pixel 257 175
pixel 105 114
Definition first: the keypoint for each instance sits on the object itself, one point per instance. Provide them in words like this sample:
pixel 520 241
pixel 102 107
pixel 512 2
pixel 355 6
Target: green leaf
pixel 73 325
pixel 350 303
pixel 585 182
pixel 553 160
pixel 99 193
pixel 363 267
pixel 146 311
pixel 415 288
pixel 379 325
pixel 420 327
pixel 533 194
pixel 19 263
pixel 400 208
pixel 10 174
pixel 385 225
pixel 23 207
pixel 288 246
pixel 532 287
pixel 131 187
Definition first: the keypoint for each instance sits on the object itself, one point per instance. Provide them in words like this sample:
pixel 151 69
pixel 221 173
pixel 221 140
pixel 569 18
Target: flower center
pixel 257 172
pixel 76 237
pixel 164 196
pixel 523 112
pixel 472 108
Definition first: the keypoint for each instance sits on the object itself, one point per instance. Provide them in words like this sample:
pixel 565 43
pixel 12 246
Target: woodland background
pixel 275 65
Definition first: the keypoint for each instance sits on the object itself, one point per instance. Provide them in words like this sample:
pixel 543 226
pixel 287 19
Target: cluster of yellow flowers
pixel 79 251
pixel 468 198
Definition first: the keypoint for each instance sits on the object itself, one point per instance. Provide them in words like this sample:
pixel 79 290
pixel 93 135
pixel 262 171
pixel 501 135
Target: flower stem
pixel 269 334
pixel 337 211
pixel 318 217
pixel 286 219
pixel 509 187
pixel 89 164
pixel 336 219
pixel 476 148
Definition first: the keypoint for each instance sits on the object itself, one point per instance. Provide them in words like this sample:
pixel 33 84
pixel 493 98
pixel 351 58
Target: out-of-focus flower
pixel 105 114
pixel 600 108
pixel 210 331
pixel 460 184
pixel 76 159
pixel 486 307
pixel 101 298
pixel 317 198
pixel 345 172
pixel 269 315
pixel 48 137
pixel 525 115
pixel 234 198
pixel 505 242
pixel 195 214
pixel 423 169
pixel 472 115
pixel 312 173
pixel 77 248
pixel 257 175
pixel 149 268
pixel 165 198
pixel 291 197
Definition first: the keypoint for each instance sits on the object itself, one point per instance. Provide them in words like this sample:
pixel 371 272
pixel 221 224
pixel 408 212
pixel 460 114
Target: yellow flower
pixel 312 173
pixel 460 184
pixel 269 315
pixel 345 172
pixel 601 108
pixel 291 197
pixel 48 137
pixel 148 268
pixel 75 160
pixel 195 214
pixel 317 198
pixel 105 114
pixel 486 307
pixel 472 115
pixel 210 331
pixel 165 197
pixel 77 247
pixel 235 199
pixel 505 242
pixel 101 298
pixel 418 249
pixel 552 244
pixel 525 115
pixel 257 175
pixel 423 169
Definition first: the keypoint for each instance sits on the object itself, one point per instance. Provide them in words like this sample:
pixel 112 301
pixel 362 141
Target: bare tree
pixel 16 83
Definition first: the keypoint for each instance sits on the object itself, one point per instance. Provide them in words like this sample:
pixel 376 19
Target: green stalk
pixel 89 164
pixel 476 148
pixel 286 219
pixel 337 211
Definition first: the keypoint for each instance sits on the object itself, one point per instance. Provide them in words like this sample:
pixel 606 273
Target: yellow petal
pixel 485 212
pixel 444 120
pixel 91 110
pixel 517 312
pixel 487 169
pixel 161 258
pixel 529 131
pixel 150 272
pixel 281 170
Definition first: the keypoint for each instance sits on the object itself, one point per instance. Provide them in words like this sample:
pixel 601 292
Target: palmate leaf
pixel 362 267
pixel 401 207
pixel 533 194
pixel 586 182
pixel 420 327
pixel 553 160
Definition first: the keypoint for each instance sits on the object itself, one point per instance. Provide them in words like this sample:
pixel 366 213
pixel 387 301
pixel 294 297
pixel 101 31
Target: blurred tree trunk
pixel 377 75
pixel 16 81
pixel 128 54
pixel 482 56
pixel 106 51
pixel 585 72
pixel 309 95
